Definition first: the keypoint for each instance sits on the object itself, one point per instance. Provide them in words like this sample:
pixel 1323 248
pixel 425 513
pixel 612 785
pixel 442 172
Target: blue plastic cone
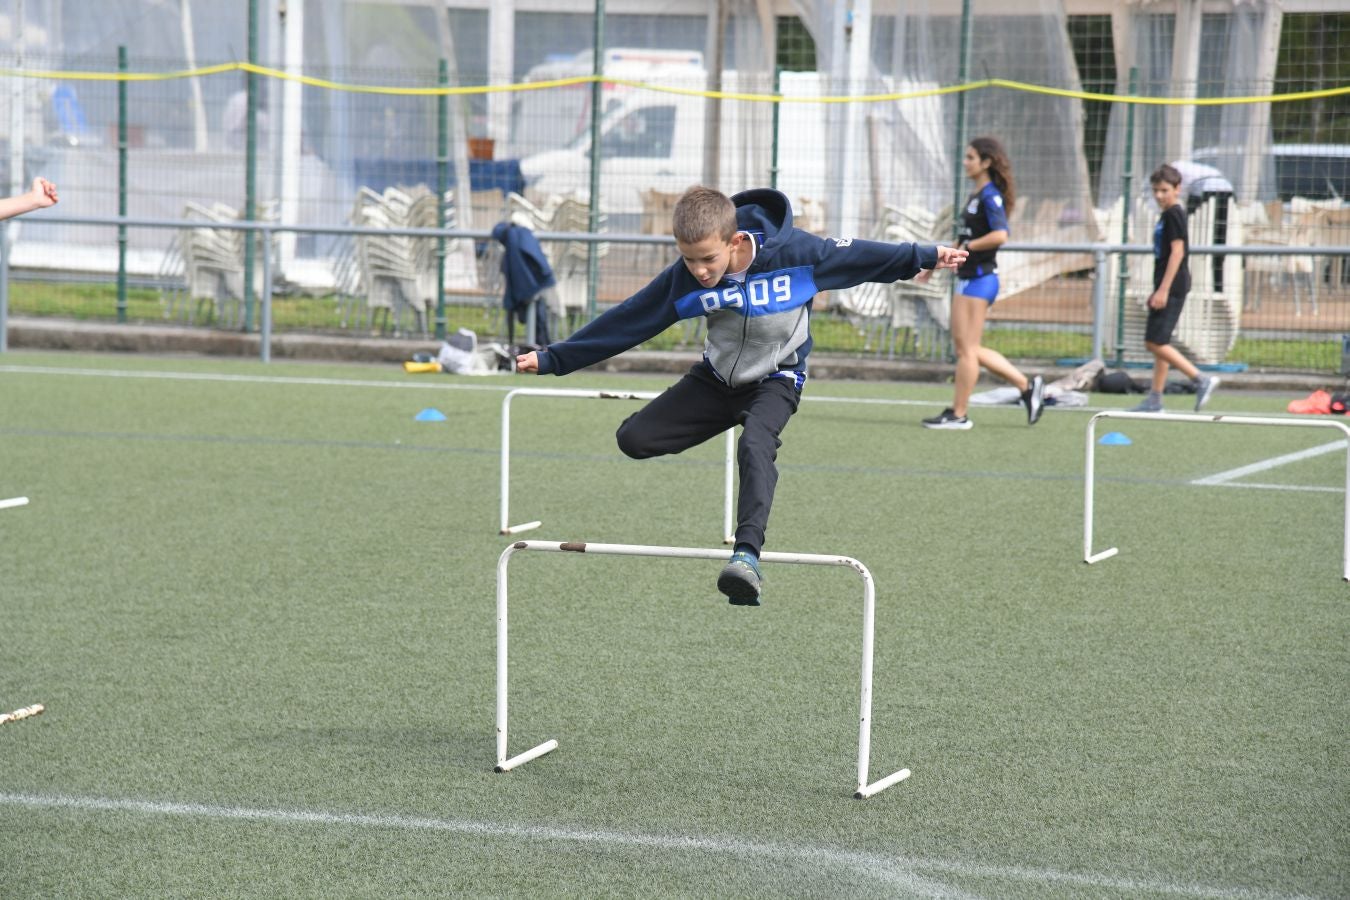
pixel 1114 439
pixel 430 415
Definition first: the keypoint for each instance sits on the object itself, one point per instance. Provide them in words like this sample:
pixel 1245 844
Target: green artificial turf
pixel 258 603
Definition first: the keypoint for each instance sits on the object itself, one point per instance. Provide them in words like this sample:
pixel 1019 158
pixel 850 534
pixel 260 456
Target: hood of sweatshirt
pixel 764 212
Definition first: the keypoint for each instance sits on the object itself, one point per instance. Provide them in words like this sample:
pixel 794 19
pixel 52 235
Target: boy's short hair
pixel 701 213
pixel 1165 173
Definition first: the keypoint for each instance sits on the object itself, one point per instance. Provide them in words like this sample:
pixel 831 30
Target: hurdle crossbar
pixel 728 531
pixel 13 501
pixel 506 764
pixel 1090 465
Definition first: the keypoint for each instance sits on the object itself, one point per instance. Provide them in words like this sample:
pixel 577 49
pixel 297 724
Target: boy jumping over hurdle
pixel 752 275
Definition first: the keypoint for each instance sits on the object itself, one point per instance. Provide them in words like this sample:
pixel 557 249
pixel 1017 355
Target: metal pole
pixel 962 73
pixel 1098 302
pixel 251 163
pixel 777 111
pixel 597 103
pixel 712 106
pixel 442 182
pixel 17 106
pixel 1127 186
pixel 122 183
pixel 265 332
pixel 4 286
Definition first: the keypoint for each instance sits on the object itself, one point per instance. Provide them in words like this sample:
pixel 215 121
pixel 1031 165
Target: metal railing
pixel 267 231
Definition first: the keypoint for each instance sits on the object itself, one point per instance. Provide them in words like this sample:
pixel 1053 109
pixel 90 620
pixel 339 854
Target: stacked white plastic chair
pixel 882 312
pixel 396 274
pixel 212 261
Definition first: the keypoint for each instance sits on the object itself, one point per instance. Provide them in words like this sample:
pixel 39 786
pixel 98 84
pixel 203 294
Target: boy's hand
pixel 43 193
pixel 527 362
pixel 1157 300
pixel 950 257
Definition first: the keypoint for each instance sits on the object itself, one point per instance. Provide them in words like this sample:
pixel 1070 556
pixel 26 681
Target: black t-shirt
pixel 983 213
pixel 1171 227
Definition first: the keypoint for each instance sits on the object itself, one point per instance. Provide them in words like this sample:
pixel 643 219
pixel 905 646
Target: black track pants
pixel 699 407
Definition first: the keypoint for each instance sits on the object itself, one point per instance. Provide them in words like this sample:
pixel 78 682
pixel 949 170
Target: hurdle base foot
pixel 877 787
pixel 509 764
pixel 517 529
pixel 1098 557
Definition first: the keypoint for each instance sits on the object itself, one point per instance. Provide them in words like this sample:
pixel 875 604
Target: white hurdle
pixel 13 501
pixel 506 764
pixel 1088 469
pixel 728 532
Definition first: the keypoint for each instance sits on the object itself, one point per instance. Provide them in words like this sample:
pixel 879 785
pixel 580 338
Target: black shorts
pixel 1161 322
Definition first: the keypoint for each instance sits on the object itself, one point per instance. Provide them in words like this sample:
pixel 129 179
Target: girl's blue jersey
pixel 983 213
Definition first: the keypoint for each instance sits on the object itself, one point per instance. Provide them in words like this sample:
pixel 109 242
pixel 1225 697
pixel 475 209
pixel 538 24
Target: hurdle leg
pixel 507 527
pixel 20 714
pixel 866 790
pixel 1089 468
pixel 503 763
pixel 728 522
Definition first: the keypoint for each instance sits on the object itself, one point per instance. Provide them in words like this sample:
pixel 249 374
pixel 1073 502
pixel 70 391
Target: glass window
pixel 646 132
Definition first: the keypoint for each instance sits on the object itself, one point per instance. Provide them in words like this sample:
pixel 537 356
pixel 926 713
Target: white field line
pixel 440 386
pixel 345 382
pixel 897 871
pixel 253 379
pixel 1318 489
pixel 1274 462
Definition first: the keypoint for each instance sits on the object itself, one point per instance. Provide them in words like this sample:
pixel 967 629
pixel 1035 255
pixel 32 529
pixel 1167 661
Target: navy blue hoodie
pixel 756 330
pixel 525 266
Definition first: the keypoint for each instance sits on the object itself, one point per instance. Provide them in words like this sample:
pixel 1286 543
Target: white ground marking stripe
pixel 424 385
pixel 898 871
pixel 254 379
pixel 878 867
pixel 1260 486
pixel 1273 463
pixel 344 382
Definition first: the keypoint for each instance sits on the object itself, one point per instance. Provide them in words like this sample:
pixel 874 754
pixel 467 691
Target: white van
pixel 1314 171
pixel 549 118
pixel 654 140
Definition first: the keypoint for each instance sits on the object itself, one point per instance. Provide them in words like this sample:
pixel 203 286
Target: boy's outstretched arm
pixel 639 318
pixel 948 258
pixel 41 196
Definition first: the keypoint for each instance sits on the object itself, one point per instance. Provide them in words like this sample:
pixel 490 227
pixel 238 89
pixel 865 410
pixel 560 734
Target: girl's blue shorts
pixel 984 286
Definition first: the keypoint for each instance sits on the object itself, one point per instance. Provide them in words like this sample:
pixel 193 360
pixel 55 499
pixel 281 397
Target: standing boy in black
pixel 1171 282
pixel 752 275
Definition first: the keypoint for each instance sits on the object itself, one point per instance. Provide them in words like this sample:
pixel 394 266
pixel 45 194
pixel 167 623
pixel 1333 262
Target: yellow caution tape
pixel 639 85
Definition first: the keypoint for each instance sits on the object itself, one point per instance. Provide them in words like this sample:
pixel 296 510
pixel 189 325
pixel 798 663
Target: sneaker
pixel 740 580
pixel 1204 389
pixel 1152 404
pixel 948 419
pixel 1033 399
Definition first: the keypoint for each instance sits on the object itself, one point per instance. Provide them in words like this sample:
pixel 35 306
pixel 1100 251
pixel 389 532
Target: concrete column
pixel 1185 75
pixel 501 67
